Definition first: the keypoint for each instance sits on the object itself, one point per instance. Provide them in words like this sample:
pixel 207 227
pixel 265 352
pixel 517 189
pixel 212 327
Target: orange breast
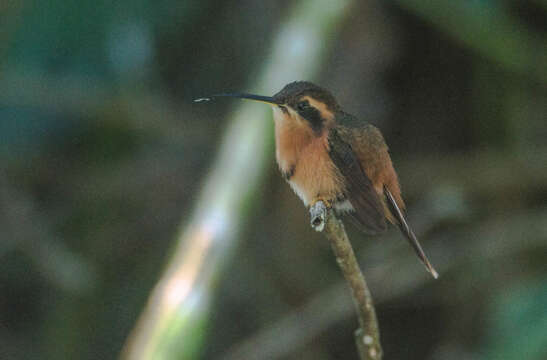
pixel 304 157
pixel 315 175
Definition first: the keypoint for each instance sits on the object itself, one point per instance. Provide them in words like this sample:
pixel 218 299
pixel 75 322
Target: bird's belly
pixel 300 191
pixel 315 176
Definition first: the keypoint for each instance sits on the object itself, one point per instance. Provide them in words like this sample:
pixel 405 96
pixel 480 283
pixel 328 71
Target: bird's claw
pixel 318 215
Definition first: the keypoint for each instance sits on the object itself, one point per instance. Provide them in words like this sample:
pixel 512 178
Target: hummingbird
pixel 326 154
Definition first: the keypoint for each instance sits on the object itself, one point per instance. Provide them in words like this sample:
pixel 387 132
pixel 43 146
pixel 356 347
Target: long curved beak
pixel 265 99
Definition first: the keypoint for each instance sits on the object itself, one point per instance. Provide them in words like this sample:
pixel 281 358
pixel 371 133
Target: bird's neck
pixel 291 138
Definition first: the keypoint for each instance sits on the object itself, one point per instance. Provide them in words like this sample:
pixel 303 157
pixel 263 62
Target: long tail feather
pixel 409 234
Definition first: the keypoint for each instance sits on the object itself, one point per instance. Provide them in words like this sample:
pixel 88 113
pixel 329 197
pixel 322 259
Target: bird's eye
pixel 303 105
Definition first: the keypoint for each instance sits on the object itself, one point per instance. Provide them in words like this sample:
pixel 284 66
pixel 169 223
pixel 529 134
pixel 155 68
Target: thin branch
pixel 367 337
pixel 298 327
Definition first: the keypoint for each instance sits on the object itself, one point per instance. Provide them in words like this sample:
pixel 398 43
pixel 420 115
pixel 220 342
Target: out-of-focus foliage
pixel 103 152
pixel 518 323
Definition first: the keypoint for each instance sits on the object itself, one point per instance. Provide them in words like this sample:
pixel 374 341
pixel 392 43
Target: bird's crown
pixel 293 92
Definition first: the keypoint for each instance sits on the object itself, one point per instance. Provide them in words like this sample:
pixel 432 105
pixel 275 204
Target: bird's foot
pixel 318 214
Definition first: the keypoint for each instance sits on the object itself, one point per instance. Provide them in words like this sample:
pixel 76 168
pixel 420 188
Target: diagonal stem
pixel 368 335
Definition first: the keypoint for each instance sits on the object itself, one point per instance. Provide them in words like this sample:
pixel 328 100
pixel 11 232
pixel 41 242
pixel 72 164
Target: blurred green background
pixel 103 154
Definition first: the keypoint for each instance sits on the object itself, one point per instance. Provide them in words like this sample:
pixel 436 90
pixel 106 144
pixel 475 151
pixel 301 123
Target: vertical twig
pixel 367 336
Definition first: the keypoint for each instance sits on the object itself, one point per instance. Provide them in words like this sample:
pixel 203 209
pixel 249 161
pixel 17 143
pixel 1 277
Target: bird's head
pixel 301 102
pixel 306 103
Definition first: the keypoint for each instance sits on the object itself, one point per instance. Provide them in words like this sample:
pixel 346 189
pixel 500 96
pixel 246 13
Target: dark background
pixel 103 152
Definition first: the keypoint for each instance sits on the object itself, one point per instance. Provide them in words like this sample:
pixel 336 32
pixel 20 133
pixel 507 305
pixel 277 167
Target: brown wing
pixel 369 210
pixel 370 154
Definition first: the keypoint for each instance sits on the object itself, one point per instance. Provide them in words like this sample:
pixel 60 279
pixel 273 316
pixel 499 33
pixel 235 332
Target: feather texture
pixel 408 233
pixel 368 211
